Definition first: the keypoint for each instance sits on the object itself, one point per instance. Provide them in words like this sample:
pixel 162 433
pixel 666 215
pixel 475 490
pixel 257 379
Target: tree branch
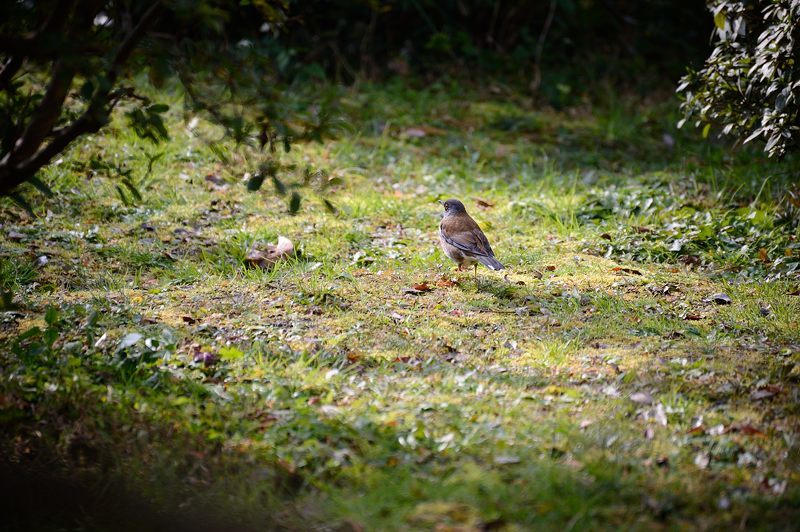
pixel 15 171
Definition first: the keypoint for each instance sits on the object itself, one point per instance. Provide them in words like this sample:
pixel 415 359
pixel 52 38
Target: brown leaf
pixel 720 299
pixel 550 268
pixel 189 319
pixel 643 230
pixel 444 282
pixel 747 429
pixel 274 253
pixel 605 236
pixel 763 256
pixel 483 204
pixel 699 429
pixel 537 274
pixel 422 287
pixel 631 271
pixel 693 317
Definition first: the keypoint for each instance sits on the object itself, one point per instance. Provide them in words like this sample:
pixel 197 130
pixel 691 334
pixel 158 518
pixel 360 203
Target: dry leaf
pixel 605 236
pixel 719 299
pixel 747 429
pixel 643 398
pixel 483 204
pixel 550 268
pixel 444 282
pixel 422 287
pixel 282 250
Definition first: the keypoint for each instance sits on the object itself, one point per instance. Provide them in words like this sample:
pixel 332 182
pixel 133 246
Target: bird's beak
pixel 440 202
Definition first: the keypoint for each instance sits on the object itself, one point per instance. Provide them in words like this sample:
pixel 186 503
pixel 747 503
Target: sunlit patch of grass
pixel 327 383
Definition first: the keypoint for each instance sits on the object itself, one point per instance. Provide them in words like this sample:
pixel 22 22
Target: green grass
pixel 565 395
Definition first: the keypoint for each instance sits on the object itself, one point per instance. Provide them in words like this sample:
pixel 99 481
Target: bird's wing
pixel 464 234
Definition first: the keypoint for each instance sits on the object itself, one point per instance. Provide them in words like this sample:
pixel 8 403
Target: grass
pixel 146 363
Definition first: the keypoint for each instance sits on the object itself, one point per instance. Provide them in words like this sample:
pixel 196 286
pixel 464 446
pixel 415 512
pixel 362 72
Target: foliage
pixel 67 65
pixel 750 84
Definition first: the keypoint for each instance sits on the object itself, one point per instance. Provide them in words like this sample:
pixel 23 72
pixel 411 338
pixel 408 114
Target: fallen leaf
pixel 274 253
pixel 550 268
pixel 418 132
pixel 699 429
pixel 422 287
pixel 761 394
pixel 605 236
pixel 702 460
pixel 129 340
pixel 643 398
pixel 719 299
pixel 763 256
pixel 626 270
pixel 746 429
pixel 189 319
pixel 446 283
pixel 206 358
pixel 506 459
pixel 483 204
pixel 693 317
pixel 537 274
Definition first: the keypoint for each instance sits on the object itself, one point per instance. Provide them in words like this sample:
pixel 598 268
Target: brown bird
pixel 462 238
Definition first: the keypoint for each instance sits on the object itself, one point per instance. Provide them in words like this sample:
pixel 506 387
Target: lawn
pixel 635 366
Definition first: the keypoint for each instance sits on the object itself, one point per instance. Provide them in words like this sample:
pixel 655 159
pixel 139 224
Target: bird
pixel 462 239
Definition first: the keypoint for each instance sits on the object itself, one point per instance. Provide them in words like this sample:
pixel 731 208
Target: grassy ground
pixel 601 381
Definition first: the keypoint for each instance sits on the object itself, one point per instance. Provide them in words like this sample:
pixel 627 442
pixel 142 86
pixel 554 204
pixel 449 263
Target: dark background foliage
pixel 587 40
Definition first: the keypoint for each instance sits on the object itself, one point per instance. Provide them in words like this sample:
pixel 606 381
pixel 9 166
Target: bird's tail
pixel 490 262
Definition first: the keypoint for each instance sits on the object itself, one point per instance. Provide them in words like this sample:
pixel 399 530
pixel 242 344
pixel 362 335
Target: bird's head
pixel 453 206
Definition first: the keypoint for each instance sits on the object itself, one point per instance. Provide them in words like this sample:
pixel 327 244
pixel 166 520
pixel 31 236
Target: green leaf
pixel 158 108
pixel 51 315
pixel 706 130
pixel 719 20
pixel 230 353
